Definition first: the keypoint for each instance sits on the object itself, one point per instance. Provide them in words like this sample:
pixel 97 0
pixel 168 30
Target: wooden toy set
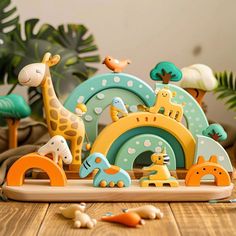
pixel 163 130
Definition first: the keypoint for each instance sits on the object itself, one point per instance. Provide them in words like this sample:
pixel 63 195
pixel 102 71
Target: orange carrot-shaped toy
pixel 130 219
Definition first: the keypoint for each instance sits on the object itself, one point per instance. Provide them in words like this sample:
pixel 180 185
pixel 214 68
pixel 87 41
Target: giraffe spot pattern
pixel 62 127
pixel 73 118
pixel 79 140
pixel 54 103
pixel 64 113
pixel 74 125
pixel 76 157
pixel 49 82
pixel 62 120
pixel 54 114
pixel 50 91
pixel 77 151
pixel 70 132
pixel 53 125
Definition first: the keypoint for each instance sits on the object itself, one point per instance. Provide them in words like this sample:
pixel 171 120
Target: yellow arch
pixel 16 174
pixel 109 134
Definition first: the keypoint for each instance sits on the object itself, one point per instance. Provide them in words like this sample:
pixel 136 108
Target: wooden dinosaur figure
pixel 202 168
pixel 163 101
pixel 108 175
pixel 160 174
pixel 115 65
pixel 60 121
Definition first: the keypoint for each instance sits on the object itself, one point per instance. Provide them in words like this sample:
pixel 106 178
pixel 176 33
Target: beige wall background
pixel 183 31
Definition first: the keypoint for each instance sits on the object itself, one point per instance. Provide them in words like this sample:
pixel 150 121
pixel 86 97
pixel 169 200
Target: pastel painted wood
pixel 107 175
pixel 60 121
pixel 139 144
pixel 16 173
pixel 202 168
pixel 113 131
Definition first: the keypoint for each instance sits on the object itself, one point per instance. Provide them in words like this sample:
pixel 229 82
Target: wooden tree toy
pixel 166 72
pixel 108 175
pixel 60 121
pixel 202 168
pixel 16 173
pixel 117 107
pixel 160 174
pixel 13 108
pixel 147 212
pixel 115 65
pixel 216 132
pixel 57 146
pixel 130 219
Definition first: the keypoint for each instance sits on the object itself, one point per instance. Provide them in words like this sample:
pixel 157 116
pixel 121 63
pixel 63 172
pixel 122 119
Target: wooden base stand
pixel 83 191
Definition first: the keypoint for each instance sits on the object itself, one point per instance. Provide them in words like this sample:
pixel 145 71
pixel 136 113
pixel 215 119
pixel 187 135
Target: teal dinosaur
pixel 108 175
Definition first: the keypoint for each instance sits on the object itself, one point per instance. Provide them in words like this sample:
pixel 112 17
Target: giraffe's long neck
pixel 50 99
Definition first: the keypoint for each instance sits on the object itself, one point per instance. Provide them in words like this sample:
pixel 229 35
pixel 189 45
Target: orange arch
pixel 196 172
pixel 16 174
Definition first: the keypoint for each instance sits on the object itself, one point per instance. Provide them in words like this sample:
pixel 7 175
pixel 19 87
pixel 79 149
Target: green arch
pixel 96 84
pixel 175 145
pixel 97 104
pixel 139 144
pixel 98 92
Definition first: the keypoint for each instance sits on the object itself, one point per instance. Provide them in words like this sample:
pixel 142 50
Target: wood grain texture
pixel 206 218
pixel 56 224
pixel 21 218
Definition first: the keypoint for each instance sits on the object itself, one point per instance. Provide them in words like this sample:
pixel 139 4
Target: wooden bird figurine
pixel 115 65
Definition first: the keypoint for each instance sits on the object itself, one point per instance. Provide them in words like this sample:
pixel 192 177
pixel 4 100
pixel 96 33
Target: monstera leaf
pixel 7 23
pixel 75 37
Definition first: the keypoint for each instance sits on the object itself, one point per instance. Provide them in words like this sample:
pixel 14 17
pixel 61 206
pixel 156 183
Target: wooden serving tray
pixel 83 191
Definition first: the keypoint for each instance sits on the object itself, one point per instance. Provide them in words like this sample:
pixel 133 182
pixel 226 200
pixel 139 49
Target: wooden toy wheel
pixel 120 184
pixel 103 184
pixel 111 184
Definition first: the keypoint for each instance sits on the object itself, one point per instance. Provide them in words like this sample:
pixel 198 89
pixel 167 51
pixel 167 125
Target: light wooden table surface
pixel 187 218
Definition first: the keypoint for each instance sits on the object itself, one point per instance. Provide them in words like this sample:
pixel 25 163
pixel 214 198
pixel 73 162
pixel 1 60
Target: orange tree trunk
pixel 13 132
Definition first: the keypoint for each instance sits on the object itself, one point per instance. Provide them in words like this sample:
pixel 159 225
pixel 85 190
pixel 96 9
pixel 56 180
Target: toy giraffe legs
pixel 76 150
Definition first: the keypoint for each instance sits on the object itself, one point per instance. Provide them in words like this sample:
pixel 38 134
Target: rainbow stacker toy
pixel 165 127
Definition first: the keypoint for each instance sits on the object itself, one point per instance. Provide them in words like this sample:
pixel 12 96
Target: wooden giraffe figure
pixel 60 121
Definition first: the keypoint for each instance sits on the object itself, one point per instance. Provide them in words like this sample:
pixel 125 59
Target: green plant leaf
pixel 7 23
pixel 75 37
pixel 226 89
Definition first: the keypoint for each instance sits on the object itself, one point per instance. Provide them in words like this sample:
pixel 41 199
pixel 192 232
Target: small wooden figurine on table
pixel 160 174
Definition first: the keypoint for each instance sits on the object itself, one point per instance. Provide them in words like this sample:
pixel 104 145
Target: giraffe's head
pixel 33 74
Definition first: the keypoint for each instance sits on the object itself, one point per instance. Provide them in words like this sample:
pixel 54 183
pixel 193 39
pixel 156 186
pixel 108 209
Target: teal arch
pixel 98 92
pixel 175 145
pixel 96 84
pixel 96 106
pixel 139 144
